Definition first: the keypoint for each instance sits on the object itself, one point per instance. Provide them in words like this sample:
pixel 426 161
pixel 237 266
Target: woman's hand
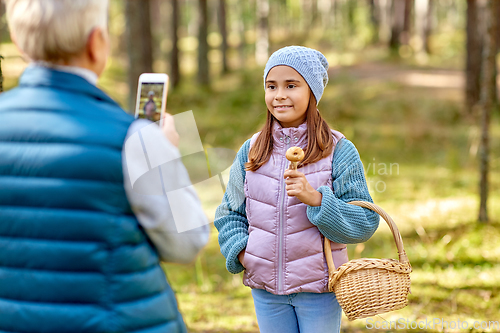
pixel 169 130
pixel 298 186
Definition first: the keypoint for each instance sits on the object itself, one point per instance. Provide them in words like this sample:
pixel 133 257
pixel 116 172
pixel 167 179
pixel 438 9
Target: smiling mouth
pixel 282 107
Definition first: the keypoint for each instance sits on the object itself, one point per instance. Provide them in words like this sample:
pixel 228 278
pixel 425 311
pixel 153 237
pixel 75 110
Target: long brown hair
pixel 319 139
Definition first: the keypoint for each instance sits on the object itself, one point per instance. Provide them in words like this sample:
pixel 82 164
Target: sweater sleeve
pixel 335 218
pixel 230 217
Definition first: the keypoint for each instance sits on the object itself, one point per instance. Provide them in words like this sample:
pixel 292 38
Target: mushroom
pixel 294 155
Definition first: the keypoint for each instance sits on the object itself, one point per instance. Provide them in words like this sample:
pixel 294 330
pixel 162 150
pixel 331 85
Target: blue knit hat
pixel 309 63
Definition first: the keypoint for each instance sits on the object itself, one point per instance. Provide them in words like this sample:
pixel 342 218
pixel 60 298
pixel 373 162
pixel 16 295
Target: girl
pixel 272 220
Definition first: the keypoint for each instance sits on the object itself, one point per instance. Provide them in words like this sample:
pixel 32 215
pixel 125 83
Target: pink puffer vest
pixel 284 253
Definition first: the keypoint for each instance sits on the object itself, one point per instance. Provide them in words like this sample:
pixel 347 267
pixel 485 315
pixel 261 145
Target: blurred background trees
pixel 412 85
pixel 205 38
pixel 202 39
pixel 199 41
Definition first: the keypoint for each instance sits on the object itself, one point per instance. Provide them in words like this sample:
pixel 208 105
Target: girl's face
pixel 287 95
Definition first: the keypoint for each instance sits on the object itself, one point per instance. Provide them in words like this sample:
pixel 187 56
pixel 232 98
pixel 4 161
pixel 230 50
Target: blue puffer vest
pixel 73 257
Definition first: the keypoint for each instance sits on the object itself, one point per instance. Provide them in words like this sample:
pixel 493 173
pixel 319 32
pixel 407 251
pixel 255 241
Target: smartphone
pixel 151 96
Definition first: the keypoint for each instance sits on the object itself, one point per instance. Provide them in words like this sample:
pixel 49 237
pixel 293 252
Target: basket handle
pixel 403 258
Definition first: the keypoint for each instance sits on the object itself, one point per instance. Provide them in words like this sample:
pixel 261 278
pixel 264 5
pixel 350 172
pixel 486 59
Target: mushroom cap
pixel 295 154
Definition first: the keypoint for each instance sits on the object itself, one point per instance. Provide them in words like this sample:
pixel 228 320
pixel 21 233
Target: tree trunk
pixel 487 103
pixel 498 30
pixel 474 55
pixel 156 18
pixel 374 20
pixel 262 43
pixel 406 33
pixel 384 33
pixel 398 22
pixel 175 75
pixel 498 50
pixel 159 14
pixel 423 18
pixel 223 33
pixel 203 70
pixel 139 44
pixel 428 26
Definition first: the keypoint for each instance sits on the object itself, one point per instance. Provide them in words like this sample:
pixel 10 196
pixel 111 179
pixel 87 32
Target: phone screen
pixel 150 101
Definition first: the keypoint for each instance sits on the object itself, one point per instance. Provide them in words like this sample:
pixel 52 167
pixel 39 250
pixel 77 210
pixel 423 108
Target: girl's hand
pixel 169 130
pixel 298 186
pixel 241 257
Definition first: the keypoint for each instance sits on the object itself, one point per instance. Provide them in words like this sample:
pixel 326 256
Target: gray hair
pixel 53 30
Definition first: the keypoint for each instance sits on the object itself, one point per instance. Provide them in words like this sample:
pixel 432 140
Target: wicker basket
pixel 366 287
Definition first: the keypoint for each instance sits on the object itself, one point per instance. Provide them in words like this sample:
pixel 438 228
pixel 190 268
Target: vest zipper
pixel 281 222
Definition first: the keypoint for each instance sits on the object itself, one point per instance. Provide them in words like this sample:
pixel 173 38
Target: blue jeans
pixel 299 312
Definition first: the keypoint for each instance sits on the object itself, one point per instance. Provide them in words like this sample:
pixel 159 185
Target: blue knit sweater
pixel 335 218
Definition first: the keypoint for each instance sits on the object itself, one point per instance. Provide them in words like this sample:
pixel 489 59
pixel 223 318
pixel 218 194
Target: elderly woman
pixel 80 250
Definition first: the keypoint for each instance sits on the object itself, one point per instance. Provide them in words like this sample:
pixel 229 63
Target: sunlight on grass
pixel 218 312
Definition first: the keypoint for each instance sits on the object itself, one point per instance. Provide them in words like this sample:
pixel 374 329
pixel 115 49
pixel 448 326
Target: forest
pixel 413 84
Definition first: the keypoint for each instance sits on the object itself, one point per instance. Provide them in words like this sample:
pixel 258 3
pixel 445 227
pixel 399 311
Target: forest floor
pixel 452 81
